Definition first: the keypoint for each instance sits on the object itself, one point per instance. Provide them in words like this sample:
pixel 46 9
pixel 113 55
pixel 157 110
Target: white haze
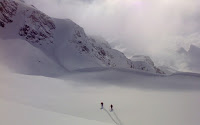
pixel 156 28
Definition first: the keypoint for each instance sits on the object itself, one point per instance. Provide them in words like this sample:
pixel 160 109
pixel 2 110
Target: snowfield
pixel 137 100
pixel 19 114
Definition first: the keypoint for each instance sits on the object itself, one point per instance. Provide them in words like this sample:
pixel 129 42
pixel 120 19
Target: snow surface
pixel 21 57
pixel 19 114
pixel 138 97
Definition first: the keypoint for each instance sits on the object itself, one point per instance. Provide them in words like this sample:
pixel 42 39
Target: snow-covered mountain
pixel 168 70
pixel 145 63
pixel 59 44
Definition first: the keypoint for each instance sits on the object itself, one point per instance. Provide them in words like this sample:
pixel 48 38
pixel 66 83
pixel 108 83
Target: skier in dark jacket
pixel 101 105
pixel 111 106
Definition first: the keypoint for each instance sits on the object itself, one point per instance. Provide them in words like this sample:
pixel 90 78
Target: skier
pixel 101 105
pixel 111 106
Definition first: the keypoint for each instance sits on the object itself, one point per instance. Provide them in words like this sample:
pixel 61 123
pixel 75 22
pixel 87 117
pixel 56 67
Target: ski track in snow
pixel 111 116
pixel 120 122
pixel 18 114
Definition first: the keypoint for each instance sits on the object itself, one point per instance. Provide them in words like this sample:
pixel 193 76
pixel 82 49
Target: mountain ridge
pixel 62 41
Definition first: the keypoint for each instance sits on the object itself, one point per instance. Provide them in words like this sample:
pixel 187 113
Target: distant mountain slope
pixel 192 57
pixel 62 41
pixel 145 63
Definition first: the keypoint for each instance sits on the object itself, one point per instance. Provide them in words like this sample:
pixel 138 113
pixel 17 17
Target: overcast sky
pixel 151 27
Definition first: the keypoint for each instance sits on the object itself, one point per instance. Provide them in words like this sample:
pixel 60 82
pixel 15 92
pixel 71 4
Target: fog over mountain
pixel 157 28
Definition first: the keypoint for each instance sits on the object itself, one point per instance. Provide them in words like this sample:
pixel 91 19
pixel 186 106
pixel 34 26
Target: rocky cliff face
pixel 38 28
pixel 8 9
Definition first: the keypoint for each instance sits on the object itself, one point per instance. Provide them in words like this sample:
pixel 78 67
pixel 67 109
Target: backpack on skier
pixel 101 105
pixel 111 107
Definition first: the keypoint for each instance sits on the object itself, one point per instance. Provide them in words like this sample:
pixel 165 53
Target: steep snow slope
pixel 71 47
pixel 16 53
pixel 19 56
pixel 63 41
pixel 75 50
pixel 29 24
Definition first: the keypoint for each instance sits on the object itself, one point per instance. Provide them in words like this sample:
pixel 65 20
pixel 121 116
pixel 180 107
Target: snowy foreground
pixel 33 43
pixel 18 114
pixel 36 100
